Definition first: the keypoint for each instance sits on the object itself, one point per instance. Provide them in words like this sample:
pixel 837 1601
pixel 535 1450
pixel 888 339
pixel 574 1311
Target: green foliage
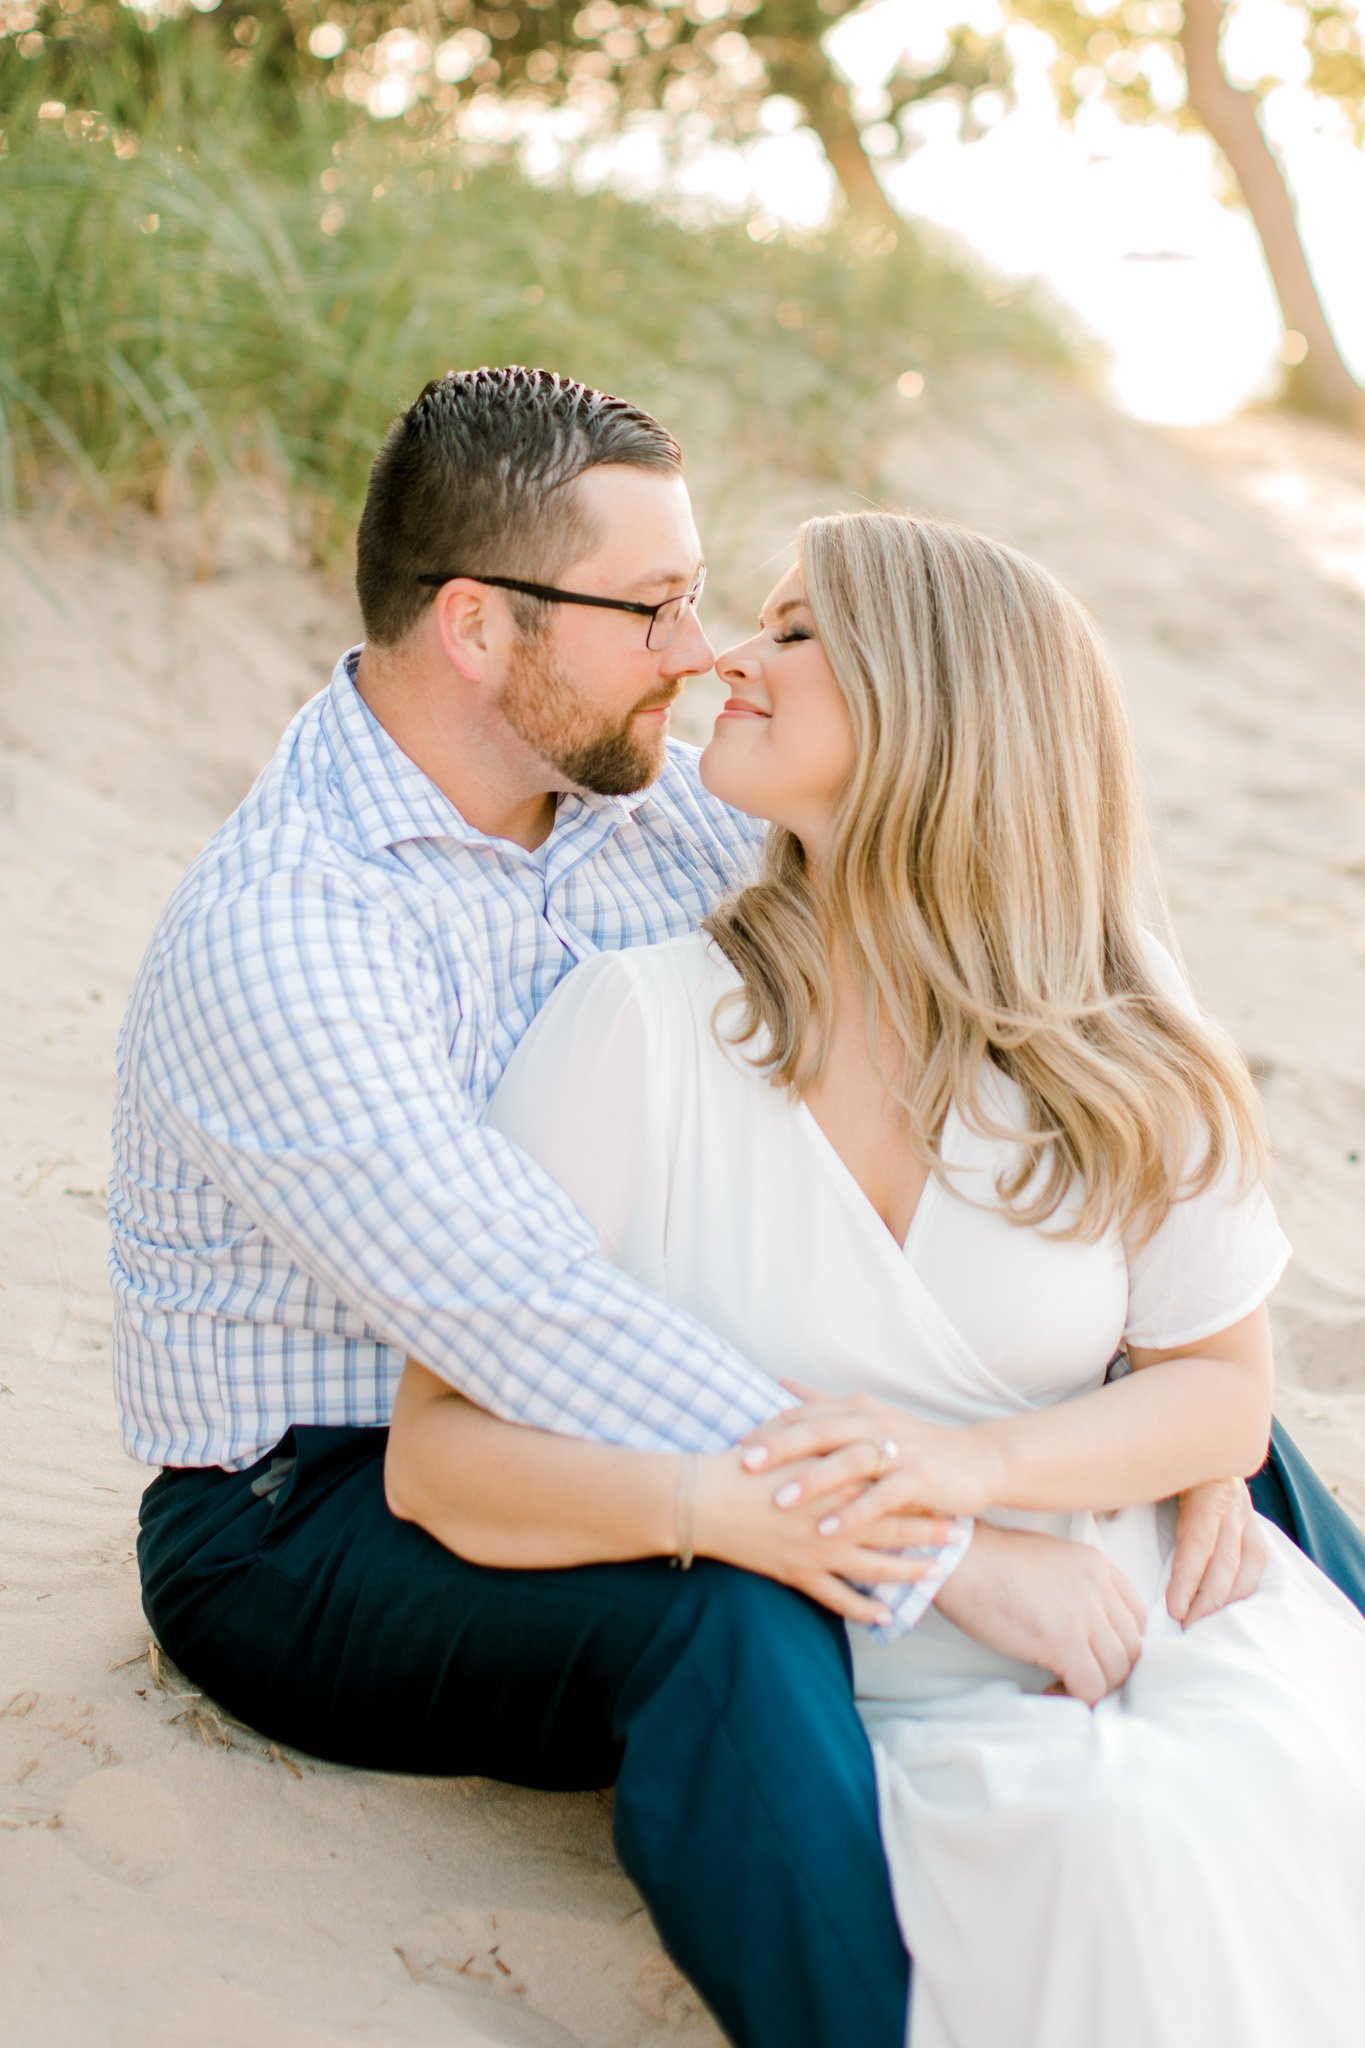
pixel 275 299
pixel 157 75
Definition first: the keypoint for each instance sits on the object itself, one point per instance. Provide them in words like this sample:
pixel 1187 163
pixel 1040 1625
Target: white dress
pixel 1186 1862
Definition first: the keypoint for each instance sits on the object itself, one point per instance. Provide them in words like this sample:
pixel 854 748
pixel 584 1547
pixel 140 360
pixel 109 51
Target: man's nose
pixel 690 653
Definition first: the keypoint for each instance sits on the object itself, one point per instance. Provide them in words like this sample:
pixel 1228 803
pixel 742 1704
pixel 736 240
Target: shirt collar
pixel 392 800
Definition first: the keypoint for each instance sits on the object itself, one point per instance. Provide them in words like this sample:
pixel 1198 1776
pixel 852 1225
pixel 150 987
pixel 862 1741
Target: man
pixel 303 1194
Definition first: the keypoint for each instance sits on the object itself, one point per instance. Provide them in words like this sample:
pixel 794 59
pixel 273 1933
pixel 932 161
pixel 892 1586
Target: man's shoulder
pixel 290 852
pixel 301 815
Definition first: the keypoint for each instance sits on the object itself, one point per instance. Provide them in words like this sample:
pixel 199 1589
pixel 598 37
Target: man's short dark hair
pixel 477 477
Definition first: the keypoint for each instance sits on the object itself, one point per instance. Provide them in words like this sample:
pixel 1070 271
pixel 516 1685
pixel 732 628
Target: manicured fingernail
pixel 786 1495
pixel 829 1527
pixel 882 1617
pixel 891 1449
pixel 754 1460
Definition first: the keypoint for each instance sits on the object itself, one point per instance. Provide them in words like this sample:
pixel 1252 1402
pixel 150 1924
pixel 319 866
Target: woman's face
pixel 783 745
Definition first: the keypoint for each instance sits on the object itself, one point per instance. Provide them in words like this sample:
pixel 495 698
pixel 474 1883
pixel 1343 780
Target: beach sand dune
pixel 169 1877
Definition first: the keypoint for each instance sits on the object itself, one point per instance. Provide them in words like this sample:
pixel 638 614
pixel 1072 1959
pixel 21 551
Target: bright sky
pixel 1122 220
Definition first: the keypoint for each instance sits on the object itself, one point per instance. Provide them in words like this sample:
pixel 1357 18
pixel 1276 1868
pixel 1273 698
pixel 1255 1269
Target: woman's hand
pixel 738 1522
pixel 1220 1552
pixel 903 1464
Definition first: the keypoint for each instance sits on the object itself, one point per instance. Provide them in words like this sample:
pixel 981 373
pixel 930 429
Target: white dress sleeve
pixel 1215 1257
pixel 587 1093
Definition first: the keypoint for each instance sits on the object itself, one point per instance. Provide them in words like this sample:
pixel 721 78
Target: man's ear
pixel 470 629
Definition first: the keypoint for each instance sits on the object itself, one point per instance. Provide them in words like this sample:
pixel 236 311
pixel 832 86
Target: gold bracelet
pixel 684 1511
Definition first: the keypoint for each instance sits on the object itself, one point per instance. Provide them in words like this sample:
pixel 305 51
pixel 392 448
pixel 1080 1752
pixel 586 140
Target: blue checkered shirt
pixel 303 1191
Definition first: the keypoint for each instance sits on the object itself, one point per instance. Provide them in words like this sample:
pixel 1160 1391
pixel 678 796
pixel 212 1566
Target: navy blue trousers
pixel 1288 1492
pixel 719 1704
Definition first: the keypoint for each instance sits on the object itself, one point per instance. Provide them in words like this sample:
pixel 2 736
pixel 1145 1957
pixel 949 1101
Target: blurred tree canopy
pixel 707 66
pixel 714 70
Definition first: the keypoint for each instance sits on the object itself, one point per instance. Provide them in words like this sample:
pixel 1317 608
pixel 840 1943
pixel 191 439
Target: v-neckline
pixel 857 1193
pixel 842 1174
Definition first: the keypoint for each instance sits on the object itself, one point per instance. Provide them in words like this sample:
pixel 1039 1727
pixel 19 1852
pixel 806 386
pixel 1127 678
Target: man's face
pixel 586 694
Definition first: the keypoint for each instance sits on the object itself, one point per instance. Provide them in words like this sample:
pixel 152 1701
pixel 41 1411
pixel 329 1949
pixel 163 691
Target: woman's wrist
pixel 723 1502
pixel 705 1521
pixel 995 1451
pixel 685 1511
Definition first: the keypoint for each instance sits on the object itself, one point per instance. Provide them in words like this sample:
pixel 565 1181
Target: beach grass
pixel 180 307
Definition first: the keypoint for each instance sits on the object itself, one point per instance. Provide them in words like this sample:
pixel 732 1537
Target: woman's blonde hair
pixel 987 878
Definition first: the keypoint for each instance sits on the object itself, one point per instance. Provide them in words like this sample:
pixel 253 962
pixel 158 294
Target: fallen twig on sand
pixel 215 1727
pixel 138 1657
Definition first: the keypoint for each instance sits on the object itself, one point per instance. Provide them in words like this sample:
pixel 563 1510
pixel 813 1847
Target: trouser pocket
pixel 306 1478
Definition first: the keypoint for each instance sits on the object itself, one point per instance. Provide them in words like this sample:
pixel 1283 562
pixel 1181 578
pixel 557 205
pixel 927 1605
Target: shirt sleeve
pixel 1216 1255
pixel 297 1052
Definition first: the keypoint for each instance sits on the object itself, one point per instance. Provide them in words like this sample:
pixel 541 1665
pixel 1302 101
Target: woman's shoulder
pixel 617 1037
pixel 1167 973
pixel 651 990
pixel 675 970
pixel 1000 1100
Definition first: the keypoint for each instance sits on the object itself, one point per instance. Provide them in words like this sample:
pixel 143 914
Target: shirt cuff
pixel 909 1604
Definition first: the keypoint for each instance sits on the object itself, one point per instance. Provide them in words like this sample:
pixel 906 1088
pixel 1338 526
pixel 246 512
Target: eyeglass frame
pixel 691 598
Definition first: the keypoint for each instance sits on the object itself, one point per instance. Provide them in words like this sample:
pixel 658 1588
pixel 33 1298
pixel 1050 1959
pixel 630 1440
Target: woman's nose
pixel 737 662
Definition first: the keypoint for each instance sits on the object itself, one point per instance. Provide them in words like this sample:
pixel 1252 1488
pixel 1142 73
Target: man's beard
pixel 546 712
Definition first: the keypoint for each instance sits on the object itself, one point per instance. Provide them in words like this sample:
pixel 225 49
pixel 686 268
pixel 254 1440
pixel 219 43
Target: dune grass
pixel 269 300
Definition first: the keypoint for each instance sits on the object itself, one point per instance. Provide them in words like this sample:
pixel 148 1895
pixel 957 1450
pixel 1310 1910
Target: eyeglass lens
pixel 665 623
pixel 663 627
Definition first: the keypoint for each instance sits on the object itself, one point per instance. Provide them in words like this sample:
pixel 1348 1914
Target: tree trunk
pixel 801 71
pixel 830 116
pixel 1321 383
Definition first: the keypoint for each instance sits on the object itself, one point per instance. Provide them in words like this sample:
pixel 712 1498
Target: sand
pixel 166 1877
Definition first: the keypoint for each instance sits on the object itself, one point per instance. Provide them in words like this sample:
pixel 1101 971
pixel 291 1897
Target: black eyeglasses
pixel 664 619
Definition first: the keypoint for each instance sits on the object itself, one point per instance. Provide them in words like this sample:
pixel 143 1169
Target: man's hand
pixel 1050 1602
pixel 1220 1552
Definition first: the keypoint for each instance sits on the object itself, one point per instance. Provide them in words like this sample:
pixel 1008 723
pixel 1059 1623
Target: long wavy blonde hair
pixel 987 878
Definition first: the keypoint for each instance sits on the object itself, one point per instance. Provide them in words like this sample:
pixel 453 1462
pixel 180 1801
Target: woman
pixel 927 1118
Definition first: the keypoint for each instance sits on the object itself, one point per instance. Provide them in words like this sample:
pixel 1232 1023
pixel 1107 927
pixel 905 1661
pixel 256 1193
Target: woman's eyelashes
pixel 786 639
